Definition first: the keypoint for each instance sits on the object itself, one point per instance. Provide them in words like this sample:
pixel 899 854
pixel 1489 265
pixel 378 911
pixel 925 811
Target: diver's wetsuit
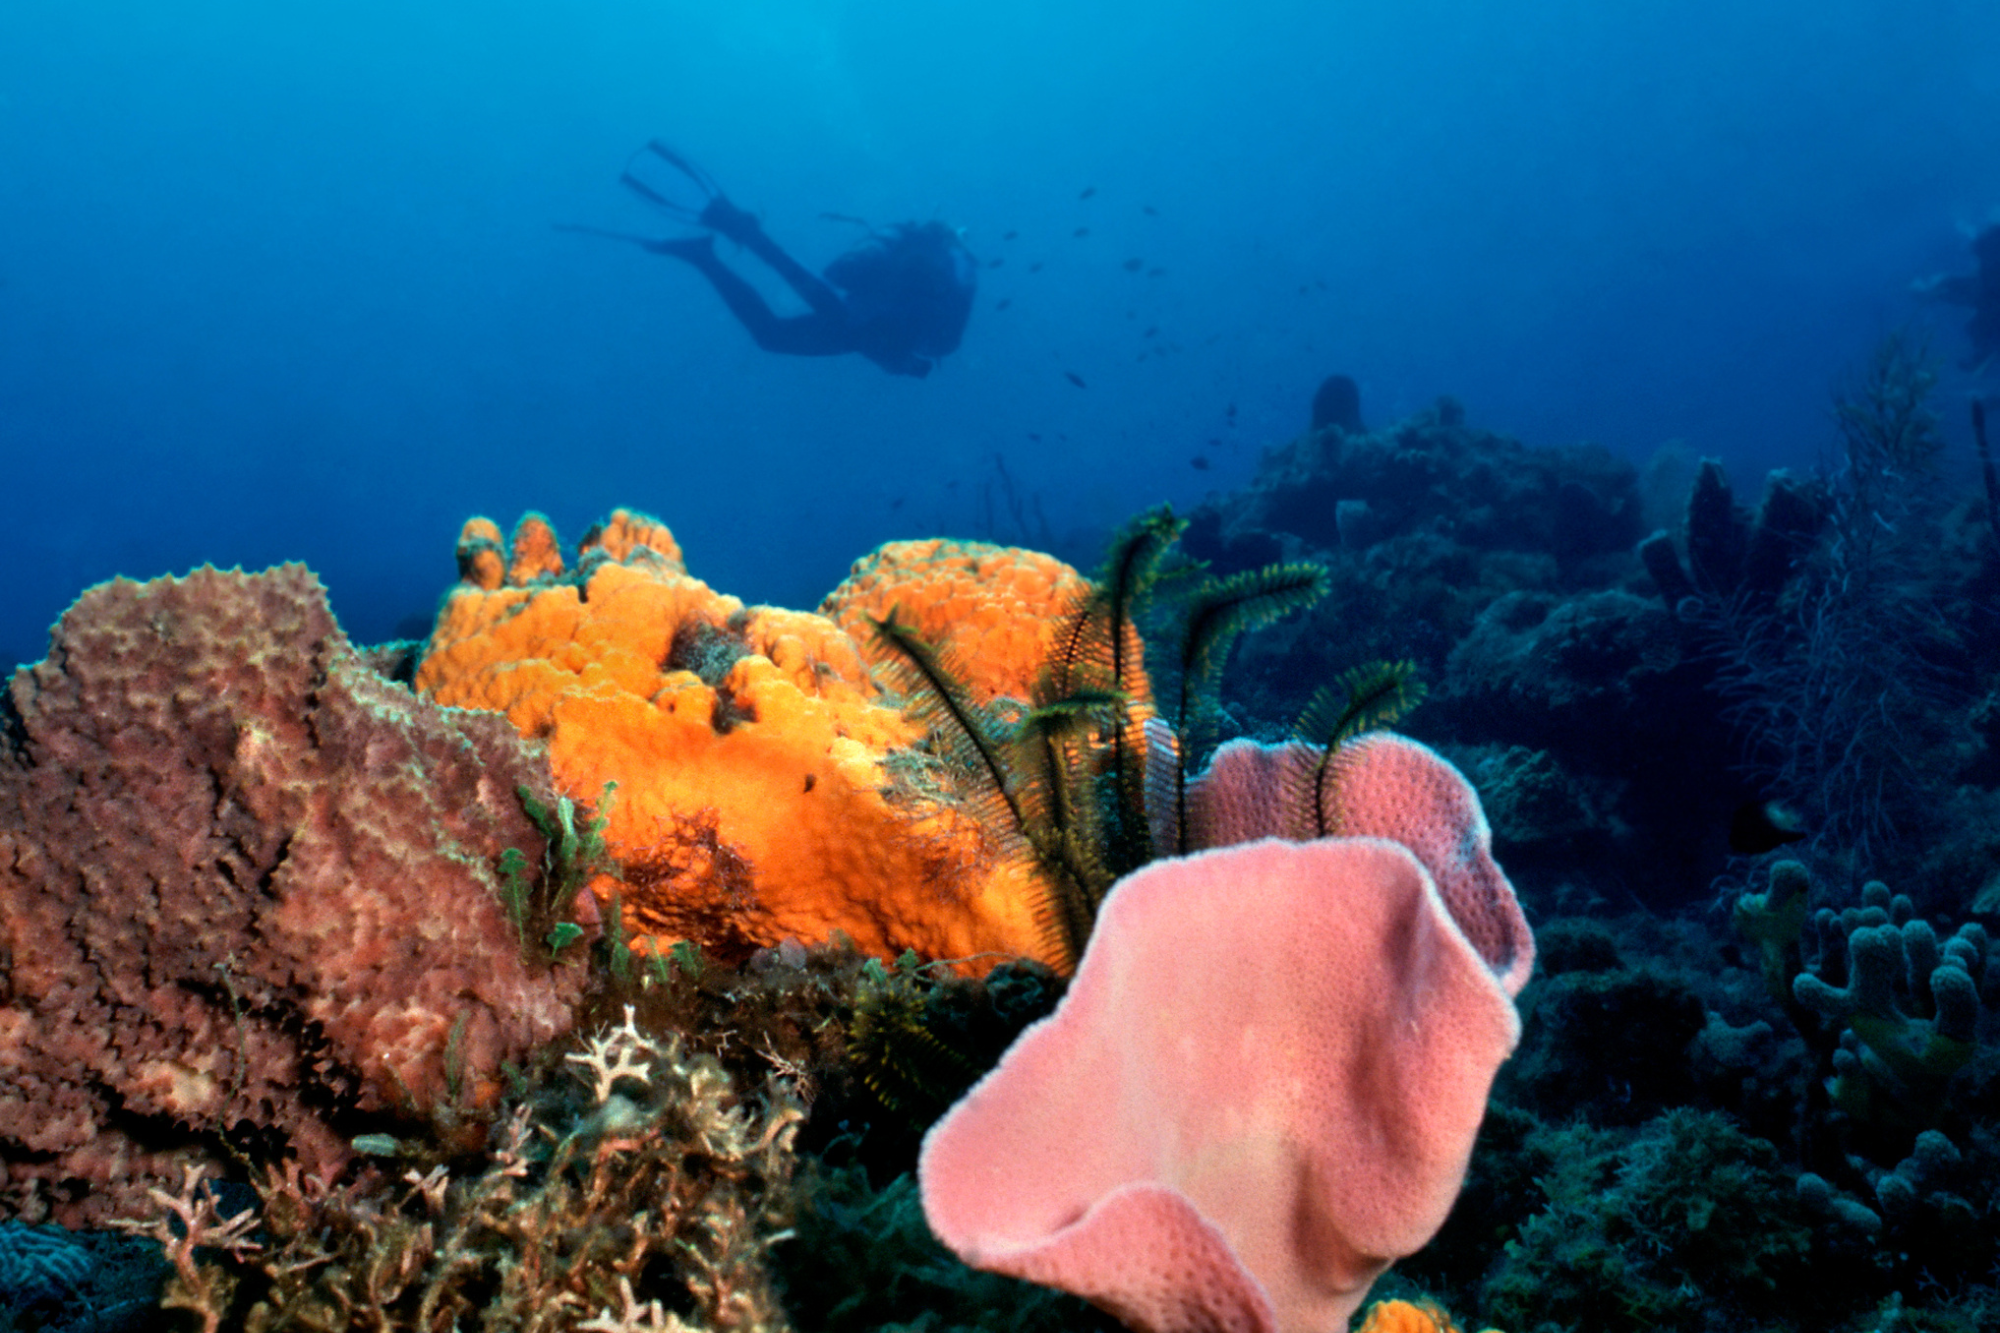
pixel 1979 290
pixel 901 299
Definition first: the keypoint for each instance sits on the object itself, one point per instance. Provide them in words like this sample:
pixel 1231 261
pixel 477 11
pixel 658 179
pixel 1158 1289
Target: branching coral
pixel 1832 643
pixel 189 1223
pixel 655 1185
pixel 248 897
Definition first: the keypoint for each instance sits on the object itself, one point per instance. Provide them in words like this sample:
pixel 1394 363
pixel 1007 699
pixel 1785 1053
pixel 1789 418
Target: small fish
pixel 1088 191
pixel 1010 235
pixel 1198 463
pixel 1762 826
pixel 1304 289
pixel 1075 379
pixel 995 263
pixel 1035 435
pixel 1035 267
pixel 1134 265
pixel 897 503
pixel 1214 443
pixel 1003 303
pixel 1149 210
pixel 1156 272
pixel 1152 331
pixel 1230 411
pixel 1081 232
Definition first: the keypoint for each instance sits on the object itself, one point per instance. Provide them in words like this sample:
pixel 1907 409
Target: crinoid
pixel 1084 781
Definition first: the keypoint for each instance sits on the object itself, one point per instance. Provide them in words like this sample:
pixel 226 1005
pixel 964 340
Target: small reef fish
pixel 1010 235
pixel 1198 463
pixel 1134 265
pixel 1075 379
pixel 1003 303
pixel 1763 826
pixel 1088 191
pixel 1081 232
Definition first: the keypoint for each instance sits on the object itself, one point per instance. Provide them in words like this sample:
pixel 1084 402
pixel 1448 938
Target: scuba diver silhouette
pixel 901 298
pixel 1978 290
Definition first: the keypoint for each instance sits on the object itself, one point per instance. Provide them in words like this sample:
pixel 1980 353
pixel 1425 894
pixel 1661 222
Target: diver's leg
pixel 812 288
pixel 803 335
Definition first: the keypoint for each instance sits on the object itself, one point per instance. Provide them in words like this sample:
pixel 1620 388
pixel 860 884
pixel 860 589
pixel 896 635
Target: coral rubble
pixel 652 1167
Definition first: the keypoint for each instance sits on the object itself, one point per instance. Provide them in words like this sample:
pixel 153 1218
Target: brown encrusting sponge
pixel 248 895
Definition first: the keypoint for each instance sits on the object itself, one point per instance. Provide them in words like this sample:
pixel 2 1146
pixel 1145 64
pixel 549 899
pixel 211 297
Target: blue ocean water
pixel 282 282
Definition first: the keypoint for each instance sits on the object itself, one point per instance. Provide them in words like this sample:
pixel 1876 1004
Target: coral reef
pixel 765 788
pixel 41 1265
pixel 650 1181
pixel 1337 488
pixel 1665 1229
pixel 1908 1015
pixel 865 1262
pixel 1505 574
pixel 1834 626
pixel 248 895
pixel 1609 1046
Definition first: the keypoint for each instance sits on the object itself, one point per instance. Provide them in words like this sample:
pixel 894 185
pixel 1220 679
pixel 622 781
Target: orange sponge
pixel 763 789
pixel 1405 1317
pixel 1008 600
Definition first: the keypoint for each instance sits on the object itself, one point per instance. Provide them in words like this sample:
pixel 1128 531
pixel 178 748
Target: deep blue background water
pixel 280 282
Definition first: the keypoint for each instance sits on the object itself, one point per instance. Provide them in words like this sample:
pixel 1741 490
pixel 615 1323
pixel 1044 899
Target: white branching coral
pixel 636 1318
pixel 614 1055
pixel 656 1169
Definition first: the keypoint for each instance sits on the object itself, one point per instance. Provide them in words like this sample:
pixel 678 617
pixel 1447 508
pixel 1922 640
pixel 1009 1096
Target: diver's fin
pixel 658 197
pixel 702 180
